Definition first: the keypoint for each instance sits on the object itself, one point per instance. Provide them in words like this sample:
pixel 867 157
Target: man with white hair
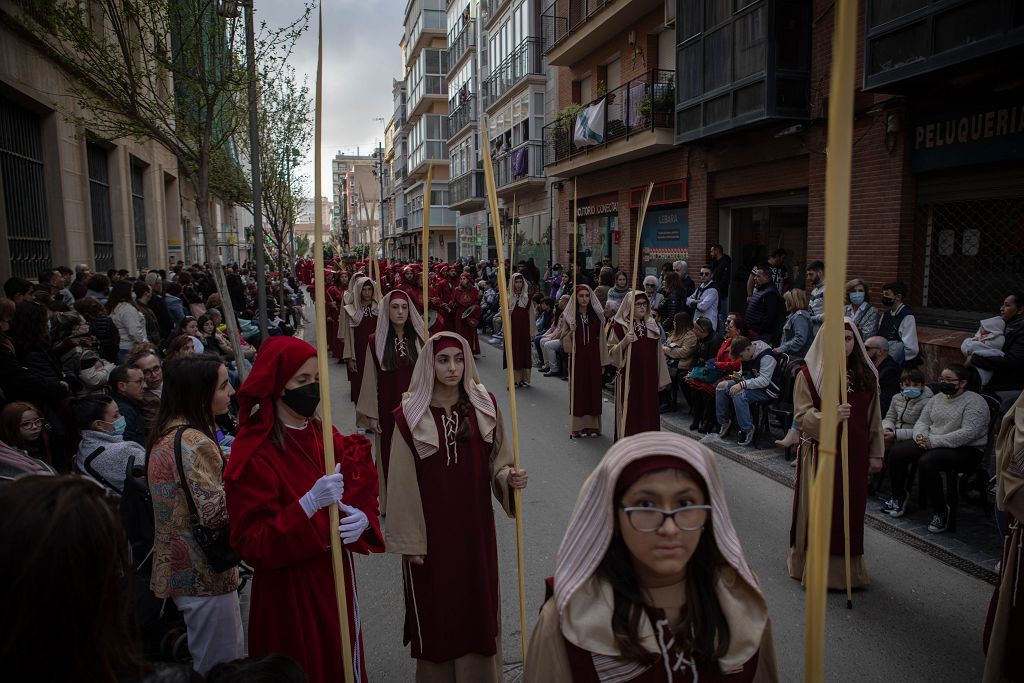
pixel 77 286
pixel 686 284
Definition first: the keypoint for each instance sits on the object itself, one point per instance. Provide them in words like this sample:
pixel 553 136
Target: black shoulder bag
pixel 215 543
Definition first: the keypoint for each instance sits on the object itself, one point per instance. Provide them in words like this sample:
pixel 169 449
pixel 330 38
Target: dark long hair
pixel 68 555
pixel 120 292
pixel 704 630
pixel 190 381
pixel 30 327
pixel 968 373
pixel 858 374
pixel 390 359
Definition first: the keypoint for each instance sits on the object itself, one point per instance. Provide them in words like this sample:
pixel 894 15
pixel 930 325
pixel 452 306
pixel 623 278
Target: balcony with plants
pixel 572 29
pixel 636 119
pixel 524 62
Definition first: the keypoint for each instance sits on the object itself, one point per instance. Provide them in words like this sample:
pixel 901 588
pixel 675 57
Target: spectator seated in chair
pixel 888 370
pixel 1007 371
pixel 127 387
pixel 760 383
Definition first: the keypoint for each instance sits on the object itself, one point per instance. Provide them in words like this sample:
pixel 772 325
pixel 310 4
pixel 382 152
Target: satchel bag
pixel 214 542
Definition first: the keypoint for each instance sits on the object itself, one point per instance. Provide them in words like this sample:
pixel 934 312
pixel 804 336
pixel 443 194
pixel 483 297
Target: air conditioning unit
pixel 670 12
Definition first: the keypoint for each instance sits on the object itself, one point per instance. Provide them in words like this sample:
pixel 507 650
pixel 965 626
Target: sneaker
pixel 746 438
pixel 724 429
pixel 938 524
pixel 894 507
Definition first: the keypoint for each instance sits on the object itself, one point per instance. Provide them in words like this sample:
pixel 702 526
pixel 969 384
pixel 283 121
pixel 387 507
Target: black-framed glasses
pixel 649 520
pixel 31 424
pixel 149 372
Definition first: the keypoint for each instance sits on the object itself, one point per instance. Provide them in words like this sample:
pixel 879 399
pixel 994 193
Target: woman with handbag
pixel 193 563
pixel 279 501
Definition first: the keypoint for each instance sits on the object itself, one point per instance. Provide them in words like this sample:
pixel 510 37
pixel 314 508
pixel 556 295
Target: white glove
pixel 353 525
pixel 327 489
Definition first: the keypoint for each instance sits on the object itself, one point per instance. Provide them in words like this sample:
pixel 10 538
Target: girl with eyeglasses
pixel 23 426
pixel 651 583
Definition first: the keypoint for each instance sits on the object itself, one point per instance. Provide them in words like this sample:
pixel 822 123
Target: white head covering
pixel 585 602
pixel 522 299
pixel 384 322
pixel 815 357
pixel 416 401
pixel 570 314
pixel 622 314
pixel 354 308
pixel 681 266
pixel 650 280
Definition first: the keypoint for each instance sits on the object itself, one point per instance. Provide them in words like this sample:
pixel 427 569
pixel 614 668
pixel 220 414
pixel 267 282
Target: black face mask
pixel 888 301
pixel 304 400
pixel 948 388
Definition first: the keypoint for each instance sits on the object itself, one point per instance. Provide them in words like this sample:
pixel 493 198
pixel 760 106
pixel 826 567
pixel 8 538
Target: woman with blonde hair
pixel 798 332
pixel 859 308
pixel 651 583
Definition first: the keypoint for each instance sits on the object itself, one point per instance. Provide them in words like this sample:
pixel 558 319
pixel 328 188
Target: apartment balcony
pixel 463 115
pixel 428 90
pixel 440 217
pixel 467 192
pixel 522 67
pixel 572 29
pixel 461 44
pixel 520 168
pixel 401 225
pixel 430 152
pixel 632 121
pixel 491 10
pixel 399 117
pixel 432 23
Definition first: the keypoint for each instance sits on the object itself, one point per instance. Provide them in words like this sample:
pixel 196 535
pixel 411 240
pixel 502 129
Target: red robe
pixel 586 380
pixel 293 610
pixel 391 384
pixel 443 292
pixel 335 300
pixel 463 556
pixel 519 336
pixel 462 301
pixel 644 414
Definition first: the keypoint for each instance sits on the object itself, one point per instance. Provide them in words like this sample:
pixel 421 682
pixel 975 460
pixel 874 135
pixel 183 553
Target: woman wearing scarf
pixel 358 322
pixel 277 500
pixel 523 323
pixel 861 412
pixel 337 287
pixel 1004 628
pixel 387 370
pixel 640 599
pixel 466 311
pixel 448 457
pixel 582 335
pixel 645 362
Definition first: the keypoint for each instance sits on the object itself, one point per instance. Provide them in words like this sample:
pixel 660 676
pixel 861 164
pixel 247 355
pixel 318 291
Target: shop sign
pixel 597 209
pixel 666 236
pixel 961 137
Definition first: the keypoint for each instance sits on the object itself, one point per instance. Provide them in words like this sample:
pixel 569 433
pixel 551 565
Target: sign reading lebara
pixel 962 137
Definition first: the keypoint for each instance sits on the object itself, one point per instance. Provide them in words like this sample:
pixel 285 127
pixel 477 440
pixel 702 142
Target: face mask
pixel 856 298
pixel 303 400
pixel 911 392
pixel 888 301
pixel 948 388
pixel 119 425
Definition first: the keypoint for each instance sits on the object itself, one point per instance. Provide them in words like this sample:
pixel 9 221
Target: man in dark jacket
pixel 1008 370
pixel 721 273
pixel 127 387
pixel 765 307
pixel 158 304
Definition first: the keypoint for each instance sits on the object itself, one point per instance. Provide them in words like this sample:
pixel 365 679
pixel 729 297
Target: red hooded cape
pixel 293 610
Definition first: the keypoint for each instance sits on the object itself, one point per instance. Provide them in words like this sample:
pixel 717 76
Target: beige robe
pixel 406 534
pixel 617 352
pixel 548 662
pixel 809 420
pixel 1009 498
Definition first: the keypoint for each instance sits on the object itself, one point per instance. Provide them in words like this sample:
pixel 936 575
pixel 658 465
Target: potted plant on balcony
pixel 561 132
pixel 660 106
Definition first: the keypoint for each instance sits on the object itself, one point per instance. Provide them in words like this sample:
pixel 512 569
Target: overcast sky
pixel 361 57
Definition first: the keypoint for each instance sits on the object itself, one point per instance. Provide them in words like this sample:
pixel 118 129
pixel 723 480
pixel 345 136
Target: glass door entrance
pixel 756 232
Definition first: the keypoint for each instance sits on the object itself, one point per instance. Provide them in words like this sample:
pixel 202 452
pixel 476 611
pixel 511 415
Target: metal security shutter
pixel 24 191
pixel 139 217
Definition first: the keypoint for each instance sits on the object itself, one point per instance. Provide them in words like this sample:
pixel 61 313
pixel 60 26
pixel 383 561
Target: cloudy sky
pixel 361 57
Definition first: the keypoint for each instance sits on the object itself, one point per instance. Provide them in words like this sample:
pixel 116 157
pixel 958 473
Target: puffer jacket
pixel 904 413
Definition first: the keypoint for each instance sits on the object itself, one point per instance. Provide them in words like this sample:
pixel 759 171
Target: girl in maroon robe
pixel 861 412
pixel 358 321
pixel 466 311
pixel 277 500
pixel 642 599
pixel 448 457
pixel 641 365
pixel 337 283
pixel 583 339
pixel 523 328
pixel 387 370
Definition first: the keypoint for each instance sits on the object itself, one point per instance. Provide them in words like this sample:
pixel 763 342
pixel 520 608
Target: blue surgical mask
pixel 856 298
pixel 911 392
pixel 119 425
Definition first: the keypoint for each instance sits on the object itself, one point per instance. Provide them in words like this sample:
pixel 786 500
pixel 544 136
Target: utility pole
pixel 257 189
